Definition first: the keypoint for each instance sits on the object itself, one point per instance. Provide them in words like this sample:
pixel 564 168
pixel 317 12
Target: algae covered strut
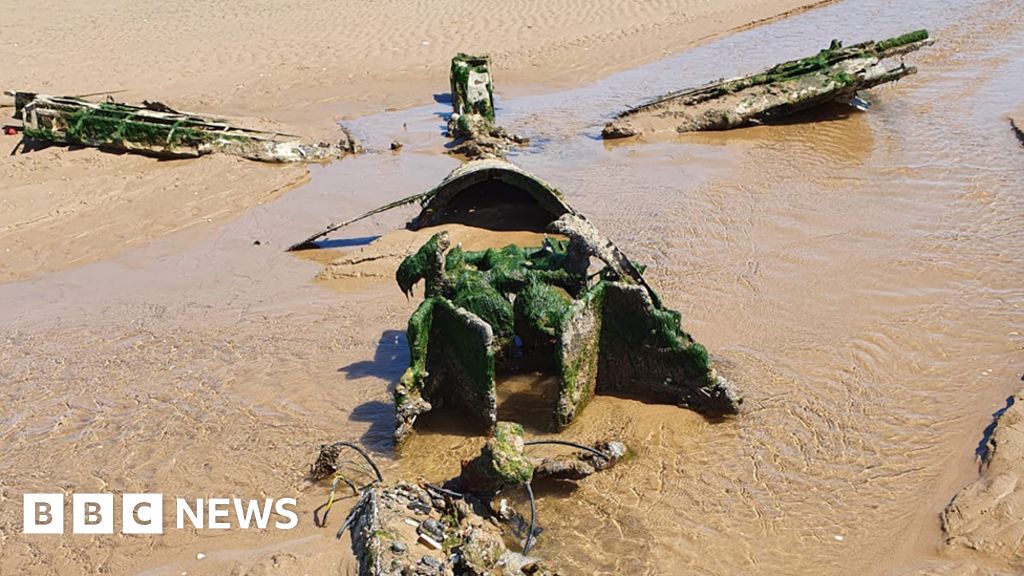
pixel 155 129
pixel 835 74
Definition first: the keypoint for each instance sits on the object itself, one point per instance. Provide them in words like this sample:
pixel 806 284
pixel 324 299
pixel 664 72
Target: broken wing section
pixel 158 130
pixel 836 73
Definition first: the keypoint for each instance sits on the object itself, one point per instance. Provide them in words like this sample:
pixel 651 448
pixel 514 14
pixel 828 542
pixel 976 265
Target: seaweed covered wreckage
pixel 488 193
pixel 466 526
pixel 471 123
pixel 573 306
pixel 599 331
pixel 157 130
pixel 835 74
pixel 516 307
pixel 537 308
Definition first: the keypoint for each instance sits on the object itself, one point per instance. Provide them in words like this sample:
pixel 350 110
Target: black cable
pixel 316 519
pixel 445 491
pixel 365 456
pixel 321 522
pixel 533 520
pixel 571 444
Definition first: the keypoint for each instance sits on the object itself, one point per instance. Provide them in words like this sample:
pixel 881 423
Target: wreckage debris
pixel 471 123
pixel 489 193
pixel 492 194
pixel 409 529
pixel 496 195
pixel 574 306
pixel 158 130
pixel 835 74
pixel 326 464
pixel 538 307
pixel 535 308
pixel 463 527
pixel 472 94
pixel 490 144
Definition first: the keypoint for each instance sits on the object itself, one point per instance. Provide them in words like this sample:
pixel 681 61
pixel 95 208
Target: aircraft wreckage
pixel 835 74
pixel 471 123
pixel 155 129
pixel 574 306
pixel 463 527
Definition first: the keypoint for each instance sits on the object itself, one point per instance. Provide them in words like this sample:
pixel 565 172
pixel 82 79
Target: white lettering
pixel 196 516
pixel 144 513
pixel 43 514
pixel 290 514
pixel 251 511
pixel 217 508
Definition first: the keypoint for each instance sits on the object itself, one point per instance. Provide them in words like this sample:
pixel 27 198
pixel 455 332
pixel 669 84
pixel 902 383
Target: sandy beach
pixel 299 69
pixel 310 64
pixel 855 275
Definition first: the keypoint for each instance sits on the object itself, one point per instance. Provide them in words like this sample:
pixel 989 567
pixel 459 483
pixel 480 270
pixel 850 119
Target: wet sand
pixel 313 60
pixel 985 515
pixel 64 208
pixel 297 69
pixel 857 277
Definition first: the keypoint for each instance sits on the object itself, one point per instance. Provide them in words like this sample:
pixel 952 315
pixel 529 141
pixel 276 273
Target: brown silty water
pixel 857 275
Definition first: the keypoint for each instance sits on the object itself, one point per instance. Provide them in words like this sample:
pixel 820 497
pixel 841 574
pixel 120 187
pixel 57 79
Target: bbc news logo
pixel 144 513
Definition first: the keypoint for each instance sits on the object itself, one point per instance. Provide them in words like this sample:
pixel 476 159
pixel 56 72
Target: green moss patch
pixel 612 336
pixel 111 123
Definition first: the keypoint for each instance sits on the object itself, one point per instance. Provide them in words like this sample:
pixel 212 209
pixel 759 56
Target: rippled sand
pixel 295 68
pixel 858 276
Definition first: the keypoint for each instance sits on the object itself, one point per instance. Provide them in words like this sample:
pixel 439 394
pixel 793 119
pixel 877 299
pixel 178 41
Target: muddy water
pixel 858 277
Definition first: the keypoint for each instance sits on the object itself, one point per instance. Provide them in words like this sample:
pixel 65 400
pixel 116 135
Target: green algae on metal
pixel 503 308
pixel 157 130
pixel 425 264
pixel 834 74
pixel 471 88
pixel 596 329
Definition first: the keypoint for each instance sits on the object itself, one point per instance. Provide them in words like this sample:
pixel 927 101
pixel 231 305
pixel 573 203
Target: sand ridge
pixel 63 208
pixel 985 516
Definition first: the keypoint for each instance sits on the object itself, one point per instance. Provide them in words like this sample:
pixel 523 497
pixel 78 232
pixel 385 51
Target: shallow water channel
pixel 857 275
